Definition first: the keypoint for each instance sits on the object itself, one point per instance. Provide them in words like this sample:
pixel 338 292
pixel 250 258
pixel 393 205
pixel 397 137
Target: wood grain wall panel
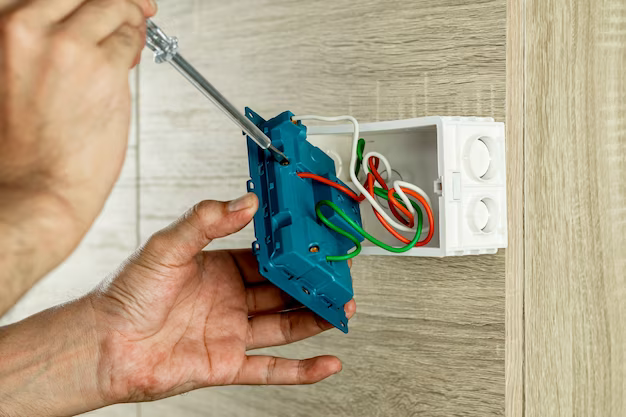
pixel 575 221
pixel 428 338
pixel 514 325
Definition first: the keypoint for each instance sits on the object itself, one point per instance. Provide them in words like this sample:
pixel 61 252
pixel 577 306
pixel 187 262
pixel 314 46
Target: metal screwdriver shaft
pixel 165 49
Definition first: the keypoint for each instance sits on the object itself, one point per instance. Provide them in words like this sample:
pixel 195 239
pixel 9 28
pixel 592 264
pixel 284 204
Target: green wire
pixel 359 229
pixel 360 148
pixel 332 226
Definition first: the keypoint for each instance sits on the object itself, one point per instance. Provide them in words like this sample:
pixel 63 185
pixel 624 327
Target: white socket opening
pixel 486 215
pixel 481 155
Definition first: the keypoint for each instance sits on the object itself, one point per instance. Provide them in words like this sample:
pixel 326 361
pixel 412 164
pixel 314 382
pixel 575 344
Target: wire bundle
pixel 405 210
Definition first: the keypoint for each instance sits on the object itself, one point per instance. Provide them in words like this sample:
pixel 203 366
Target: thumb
pixel 206 221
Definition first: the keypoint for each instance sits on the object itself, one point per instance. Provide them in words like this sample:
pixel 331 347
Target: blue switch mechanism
pixel 291 243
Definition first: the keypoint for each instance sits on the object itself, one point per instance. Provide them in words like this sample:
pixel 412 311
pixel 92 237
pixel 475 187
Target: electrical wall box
pixel 460 162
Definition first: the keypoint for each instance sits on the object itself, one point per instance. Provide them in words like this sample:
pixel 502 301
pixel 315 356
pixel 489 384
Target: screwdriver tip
pixel 280 157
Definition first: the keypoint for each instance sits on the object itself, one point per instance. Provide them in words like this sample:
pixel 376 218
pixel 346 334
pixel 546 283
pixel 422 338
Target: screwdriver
pixel 165 49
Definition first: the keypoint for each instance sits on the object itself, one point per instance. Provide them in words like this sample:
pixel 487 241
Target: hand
pixel 64 118
pixel 175 318
pixel 172 319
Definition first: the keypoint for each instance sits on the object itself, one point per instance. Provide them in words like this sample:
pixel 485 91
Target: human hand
pixel 64 119
pixel 175 318
pixel 172 319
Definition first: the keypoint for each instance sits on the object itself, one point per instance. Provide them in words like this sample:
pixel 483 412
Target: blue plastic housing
pixel 292 244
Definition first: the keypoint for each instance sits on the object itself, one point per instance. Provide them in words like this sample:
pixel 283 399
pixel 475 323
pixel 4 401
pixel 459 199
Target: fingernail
pixel 242 203
pixel 153 4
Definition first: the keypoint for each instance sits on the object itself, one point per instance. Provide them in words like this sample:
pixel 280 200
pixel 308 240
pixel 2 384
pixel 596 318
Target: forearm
pixel 37 231
pixel 48 363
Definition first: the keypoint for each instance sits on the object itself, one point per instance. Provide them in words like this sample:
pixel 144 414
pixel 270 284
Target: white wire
pixel 382 158
pixel 399 184
pixel 357 183
pixel 402 194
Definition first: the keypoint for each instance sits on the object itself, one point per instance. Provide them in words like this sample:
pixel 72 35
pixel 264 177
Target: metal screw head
pixel 163 46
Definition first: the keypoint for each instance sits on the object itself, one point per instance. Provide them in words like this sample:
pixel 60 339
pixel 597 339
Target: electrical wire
pixel 362 232
pixel 406 207
pixel 388 195
pixel 352 194
pixel 397 184
pixel 373 163
pixel 415 191
pixel 353 172
pixel 335 228
pixel 392 198
pixel 333 184
pixel 359 156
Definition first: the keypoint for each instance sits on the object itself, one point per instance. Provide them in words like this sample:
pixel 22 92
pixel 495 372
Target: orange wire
pixel 328 182
pixel 374 164
pixel 392 199
pixel 429 214
pixel 395 206
pixel 361 198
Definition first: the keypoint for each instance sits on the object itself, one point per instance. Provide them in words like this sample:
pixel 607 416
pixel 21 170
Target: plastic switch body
pixel 291 243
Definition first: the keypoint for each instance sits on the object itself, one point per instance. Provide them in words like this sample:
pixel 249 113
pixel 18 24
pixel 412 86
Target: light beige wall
pixel 573 127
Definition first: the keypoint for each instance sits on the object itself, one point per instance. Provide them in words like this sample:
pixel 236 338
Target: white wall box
pixel 459 161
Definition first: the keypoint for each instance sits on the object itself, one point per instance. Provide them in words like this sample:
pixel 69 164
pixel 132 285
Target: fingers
pixel 48 12
pixel 285 328
pixel 123 46
pixel 208 220
pixel 268 298
pixel 267 370
pixel 96 20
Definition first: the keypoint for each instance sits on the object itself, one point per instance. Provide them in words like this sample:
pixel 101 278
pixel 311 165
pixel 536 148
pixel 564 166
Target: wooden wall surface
pixel 571 101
